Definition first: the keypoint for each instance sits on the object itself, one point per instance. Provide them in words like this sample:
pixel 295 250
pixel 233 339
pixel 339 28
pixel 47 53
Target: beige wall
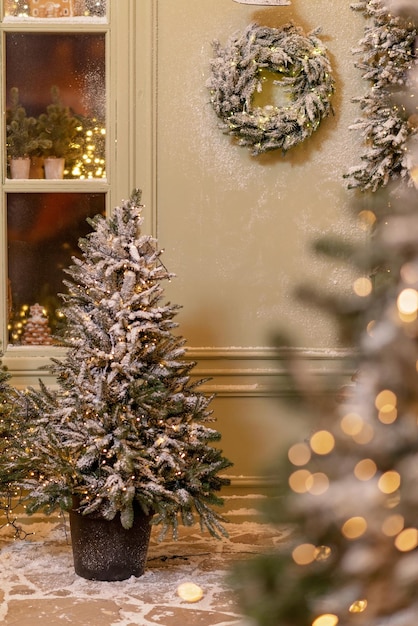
pixel 237 229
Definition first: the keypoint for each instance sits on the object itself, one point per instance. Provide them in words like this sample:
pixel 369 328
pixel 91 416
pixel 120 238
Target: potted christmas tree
pixel 123 441
pixel 22 137
pixel 60 127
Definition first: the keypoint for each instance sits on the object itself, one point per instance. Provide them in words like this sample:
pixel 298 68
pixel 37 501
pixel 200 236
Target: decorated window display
pixel 46 9
pixel 61 91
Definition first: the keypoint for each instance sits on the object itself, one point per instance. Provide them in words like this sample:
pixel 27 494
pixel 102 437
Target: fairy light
pixel 365 469
pixel 322 553
pixel 298 481
pixel 317 483
pixel 327 619
pixel 92 163
pixel 366 219
pixel 365 435
pixel 389 482
pixel 407 304
pixel 322 442
pixel 385 403
pixel 393 525
pixel 304 554
pixel 359 606
pixel 407 540
pixel 362 286
pixel 354 527
pixel 299 454
pixel 351 424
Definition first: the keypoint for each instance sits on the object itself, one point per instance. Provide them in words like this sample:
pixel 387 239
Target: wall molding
pixel 227 371
pixel 265 371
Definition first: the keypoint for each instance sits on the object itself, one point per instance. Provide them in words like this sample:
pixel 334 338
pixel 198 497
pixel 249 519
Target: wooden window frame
pixel 131 40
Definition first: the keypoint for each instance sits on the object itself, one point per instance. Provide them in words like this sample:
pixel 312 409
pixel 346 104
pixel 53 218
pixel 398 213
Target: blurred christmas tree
pixel 387 52
pixel 350 493
pixel 126 424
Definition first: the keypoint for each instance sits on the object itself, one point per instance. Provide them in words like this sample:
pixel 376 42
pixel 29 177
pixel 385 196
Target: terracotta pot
pixel 54 167
pixel 19 167
pixel 104 550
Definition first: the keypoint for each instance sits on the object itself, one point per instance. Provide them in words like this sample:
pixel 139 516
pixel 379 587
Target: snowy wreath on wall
pixel 303 69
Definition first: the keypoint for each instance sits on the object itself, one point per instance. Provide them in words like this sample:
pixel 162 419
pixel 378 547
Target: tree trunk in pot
pixel 104 550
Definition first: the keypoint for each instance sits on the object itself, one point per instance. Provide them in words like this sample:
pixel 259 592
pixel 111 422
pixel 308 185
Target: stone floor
pixel 38 584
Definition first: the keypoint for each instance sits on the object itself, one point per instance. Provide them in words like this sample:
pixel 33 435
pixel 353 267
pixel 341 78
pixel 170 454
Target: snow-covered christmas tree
pixel 9 432
pixel 387 54
pixel 126 423
pixel 349 486
pixel 13 441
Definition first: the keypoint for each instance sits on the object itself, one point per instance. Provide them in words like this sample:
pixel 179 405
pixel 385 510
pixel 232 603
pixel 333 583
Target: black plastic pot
pixel 104 550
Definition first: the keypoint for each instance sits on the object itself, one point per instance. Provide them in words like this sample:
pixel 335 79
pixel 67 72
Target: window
pixel 71 73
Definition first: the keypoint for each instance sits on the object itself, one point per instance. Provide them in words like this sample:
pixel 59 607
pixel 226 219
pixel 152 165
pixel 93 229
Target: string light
pixel 407 540
pixel 322 442
pixel 327 619
pixel 354 527
pixel 359 606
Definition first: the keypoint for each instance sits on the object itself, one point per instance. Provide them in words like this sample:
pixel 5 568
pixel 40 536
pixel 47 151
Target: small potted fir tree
pixel 123 442
pixel 23 138
pixel 60 127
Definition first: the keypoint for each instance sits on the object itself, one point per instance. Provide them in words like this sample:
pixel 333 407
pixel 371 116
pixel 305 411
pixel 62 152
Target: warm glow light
pixel 351 424
pixel 354 527
pixel 384 398
pixel 407 540
pixel 407 301
pixel 365 436
pixel 409 273
pixel 393 525
pixel 299 454
pixel 190 592
pixel 365 469
pixel 328 619
pixel 317 483
pixel 322 553
pixel 362 286
pixel 386 402
pixel 389 482
pixel 388 415
pixel 322 442
pixel 366 218
pixel 304 554
pixel 358 606
pixel 298 480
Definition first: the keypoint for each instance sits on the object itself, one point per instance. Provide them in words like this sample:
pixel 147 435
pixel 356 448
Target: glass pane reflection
pixel 43 232
pixel 58 8
pixel 68 68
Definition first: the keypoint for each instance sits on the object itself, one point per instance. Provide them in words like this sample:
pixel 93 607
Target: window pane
pixel 68 70
pixel 58 8
pixel 43 230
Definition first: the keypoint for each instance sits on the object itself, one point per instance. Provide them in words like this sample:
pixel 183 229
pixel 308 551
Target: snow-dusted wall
pixel 237 229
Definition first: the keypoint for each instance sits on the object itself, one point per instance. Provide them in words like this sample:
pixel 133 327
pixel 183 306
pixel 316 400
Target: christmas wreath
pixel 302 68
